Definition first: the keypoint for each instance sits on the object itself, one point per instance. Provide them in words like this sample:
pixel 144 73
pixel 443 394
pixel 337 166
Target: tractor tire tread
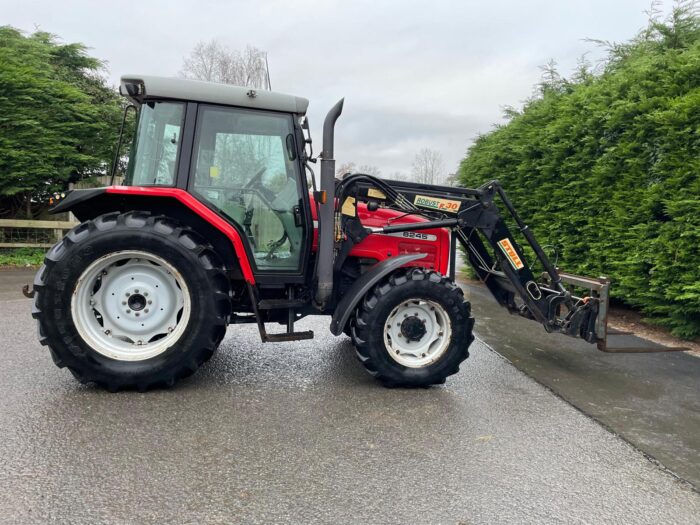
pixel 65 350
pixel 378 362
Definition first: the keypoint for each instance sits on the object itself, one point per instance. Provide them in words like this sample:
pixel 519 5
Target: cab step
pixel 271 304
pixel 291 336
pixel 277 304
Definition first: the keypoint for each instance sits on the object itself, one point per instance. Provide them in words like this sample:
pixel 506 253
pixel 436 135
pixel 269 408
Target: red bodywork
pixel 434 242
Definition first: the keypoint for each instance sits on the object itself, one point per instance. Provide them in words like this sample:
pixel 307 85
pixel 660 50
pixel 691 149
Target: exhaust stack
pixel 326 216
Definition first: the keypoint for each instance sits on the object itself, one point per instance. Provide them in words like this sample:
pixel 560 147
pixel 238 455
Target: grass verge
pixel 22 257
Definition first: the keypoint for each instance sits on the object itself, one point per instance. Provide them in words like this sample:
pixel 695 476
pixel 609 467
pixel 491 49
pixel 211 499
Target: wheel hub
pixel 130 305
pixel 413 328
pixel 417 332
pixel 137 302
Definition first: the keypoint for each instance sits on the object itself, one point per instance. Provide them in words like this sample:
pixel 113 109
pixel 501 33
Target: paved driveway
pixel 298 432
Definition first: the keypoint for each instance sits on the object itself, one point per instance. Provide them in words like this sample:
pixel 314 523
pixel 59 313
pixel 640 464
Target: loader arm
pixel 573 305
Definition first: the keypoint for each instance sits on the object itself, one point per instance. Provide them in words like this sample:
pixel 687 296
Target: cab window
pixel 154 153
pixel 244 165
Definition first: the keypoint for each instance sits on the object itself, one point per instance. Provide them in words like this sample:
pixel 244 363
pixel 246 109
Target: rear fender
pixel 87 204
pixel 364 284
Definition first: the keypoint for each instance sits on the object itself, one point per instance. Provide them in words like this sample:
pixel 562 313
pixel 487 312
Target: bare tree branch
pixel 214 62
pixel 428 166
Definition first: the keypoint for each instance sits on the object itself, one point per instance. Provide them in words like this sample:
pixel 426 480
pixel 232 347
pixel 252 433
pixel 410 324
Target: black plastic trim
pixel 364 284
pixel 74 198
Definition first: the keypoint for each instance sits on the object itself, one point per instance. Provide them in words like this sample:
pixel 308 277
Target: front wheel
pixel 413 329
pixel 131 301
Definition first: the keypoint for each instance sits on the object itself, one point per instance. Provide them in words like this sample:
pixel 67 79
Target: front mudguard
pixel 364 284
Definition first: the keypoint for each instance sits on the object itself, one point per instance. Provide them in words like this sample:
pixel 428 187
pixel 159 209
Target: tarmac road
pixel 299 432
pixel 652 400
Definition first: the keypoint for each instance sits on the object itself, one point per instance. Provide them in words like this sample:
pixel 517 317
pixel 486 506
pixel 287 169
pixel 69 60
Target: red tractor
pixel 217 223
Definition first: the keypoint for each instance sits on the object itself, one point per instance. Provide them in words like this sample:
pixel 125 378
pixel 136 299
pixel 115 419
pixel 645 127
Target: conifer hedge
pixel 606 167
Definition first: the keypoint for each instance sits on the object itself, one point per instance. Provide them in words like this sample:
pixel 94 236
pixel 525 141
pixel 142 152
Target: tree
pixel 214 62
pixel 606 167
pixel 344 169
pixel 427 166
pixel 451 180
pixel 58 118
pixel 368 169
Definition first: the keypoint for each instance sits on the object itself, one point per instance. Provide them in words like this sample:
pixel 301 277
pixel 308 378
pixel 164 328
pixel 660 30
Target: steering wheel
pixel 255 180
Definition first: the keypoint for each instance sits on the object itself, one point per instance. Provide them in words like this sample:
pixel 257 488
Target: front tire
pixel 131 300
pixel 413 329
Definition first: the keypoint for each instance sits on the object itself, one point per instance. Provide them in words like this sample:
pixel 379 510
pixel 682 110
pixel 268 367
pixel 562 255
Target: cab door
pixel 245 166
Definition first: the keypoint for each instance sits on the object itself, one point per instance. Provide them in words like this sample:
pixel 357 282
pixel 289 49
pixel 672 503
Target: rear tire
pixel 184 275
pixel 399 350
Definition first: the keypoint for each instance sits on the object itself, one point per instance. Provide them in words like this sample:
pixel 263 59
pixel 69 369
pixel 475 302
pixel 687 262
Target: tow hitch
pixel 28 291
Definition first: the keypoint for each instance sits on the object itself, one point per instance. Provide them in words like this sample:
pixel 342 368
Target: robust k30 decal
pixel 511 254
pixel 436 204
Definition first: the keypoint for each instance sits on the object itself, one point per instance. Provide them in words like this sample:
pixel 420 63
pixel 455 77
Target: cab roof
pixel 214 93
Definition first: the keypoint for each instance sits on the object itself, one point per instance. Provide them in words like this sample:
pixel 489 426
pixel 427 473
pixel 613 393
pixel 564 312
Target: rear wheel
pixel 413 329
pixel 131 301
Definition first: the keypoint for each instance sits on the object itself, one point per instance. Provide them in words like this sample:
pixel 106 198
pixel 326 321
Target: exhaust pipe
pixel 326 216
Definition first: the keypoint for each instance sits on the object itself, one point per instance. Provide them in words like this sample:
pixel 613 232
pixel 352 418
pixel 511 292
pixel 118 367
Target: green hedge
pixel 606 167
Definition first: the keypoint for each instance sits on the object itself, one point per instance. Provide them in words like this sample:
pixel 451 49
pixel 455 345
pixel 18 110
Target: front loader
pixel 218 221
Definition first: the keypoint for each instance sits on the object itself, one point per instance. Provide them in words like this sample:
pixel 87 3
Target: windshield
pixel 153 158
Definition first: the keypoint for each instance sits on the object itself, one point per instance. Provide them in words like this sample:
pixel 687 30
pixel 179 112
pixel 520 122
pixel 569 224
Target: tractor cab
pixel 238 151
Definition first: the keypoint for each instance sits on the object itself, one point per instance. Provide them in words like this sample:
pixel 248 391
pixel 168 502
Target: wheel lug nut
pixel 146 310
pixel 150 302
pixel 136 291
pixel 145 294
pixel 128 311
pixel 128 294
pixel 137 314
pixel 123 303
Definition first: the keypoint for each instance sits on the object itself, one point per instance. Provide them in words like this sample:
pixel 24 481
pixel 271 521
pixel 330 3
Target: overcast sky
pixel 414 74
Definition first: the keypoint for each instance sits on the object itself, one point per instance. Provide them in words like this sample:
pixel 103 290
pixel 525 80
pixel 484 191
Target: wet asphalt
pixel 298 432
pixel 652 400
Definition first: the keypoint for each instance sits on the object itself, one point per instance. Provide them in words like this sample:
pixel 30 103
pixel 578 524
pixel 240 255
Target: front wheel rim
pixel 417 332
pixel 130 305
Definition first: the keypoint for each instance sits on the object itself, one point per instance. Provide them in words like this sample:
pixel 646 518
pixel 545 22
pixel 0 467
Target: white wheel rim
pixel 130 305
pixel 417 347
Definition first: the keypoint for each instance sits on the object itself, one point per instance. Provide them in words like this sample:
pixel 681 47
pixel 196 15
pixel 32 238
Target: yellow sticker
pixel 511 254
pixel 349 207
pixel 375 193
pixel 214 172
pixel 436 204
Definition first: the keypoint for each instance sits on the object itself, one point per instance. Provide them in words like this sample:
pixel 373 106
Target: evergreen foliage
pixel 606 167
pixel 57 118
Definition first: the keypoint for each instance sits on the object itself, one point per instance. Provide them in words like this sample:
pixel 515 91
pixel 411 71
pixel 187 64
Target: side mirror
pixel 291 151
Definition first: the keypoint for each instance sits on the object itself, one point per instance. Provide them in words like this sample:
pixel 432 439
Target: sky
pixel 414 74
